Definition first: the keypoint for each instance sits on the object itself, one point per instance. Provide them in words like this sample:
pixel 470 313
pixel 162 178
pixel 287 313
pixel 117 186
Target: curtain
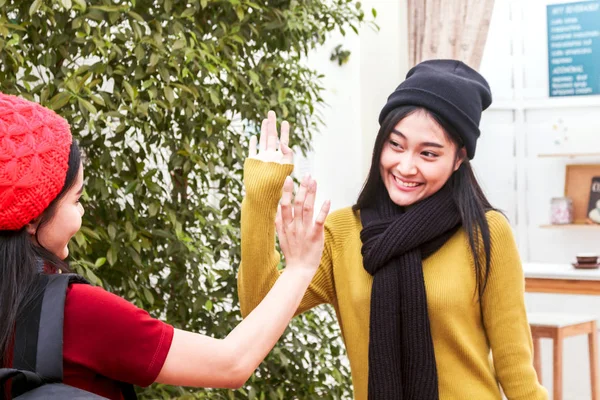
pixel 455 29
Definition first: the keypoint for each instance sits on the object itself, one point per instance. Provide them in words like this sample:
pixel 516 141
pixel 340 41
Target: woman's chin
pixel 63 254
pixel 404 199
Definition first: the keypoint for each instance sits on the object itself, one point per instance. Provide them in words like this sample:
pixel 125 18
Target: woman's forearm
pixel 257 334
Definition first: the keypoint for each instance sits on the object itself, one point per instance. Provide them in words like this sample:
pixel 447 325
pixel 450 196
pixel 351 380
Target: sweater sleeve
pixel 260 260
pixel 110 336
pixel 505 318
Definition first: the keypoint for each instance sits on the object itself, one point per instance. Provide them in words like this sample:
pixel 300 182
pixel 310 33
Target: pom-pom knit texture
pixel 34 155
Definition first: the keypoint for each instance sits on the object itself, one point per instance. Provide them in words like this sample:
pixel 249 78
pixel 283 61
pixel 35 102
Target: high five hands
pixel 301 239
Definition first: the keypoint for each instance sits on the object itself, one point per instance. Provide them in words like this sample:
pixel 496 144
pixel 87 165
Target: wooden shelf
pixel 570 226
pixel 569 155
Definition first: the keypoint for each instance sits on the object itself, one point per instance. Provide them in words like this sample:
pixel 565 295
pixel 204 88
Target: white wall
pixel 355 93
pixel 520 126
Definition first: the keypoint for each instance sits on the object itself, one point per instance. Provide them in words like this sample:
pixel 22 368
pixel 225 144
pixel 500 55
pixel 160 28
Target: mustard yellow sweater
pixel 464 334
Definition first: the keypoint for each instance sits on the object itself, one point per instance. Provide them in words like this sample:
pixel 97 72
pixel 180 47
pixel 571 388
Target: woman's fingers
pixel 281 232
pixel 263 135
pixel 286 201
pixel 301 239
pixel 284 138
pixel 252 147
pixel 309 203
pixel 299 204
pixel 284 142
pixel 272 139
pixel 287 154
pixel 321 217
pixel 271 147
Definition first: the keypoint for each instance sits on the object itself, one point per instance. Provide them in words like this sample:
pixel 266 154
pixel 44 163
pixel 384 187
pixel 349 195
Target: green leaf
pixel 107 8
pixel 169 94
pixel 136 16
pixel 129 90
pixel 148 295
pixel 154 58
pixel 240 12
pixel 35 6
pixel 179 44
pixel 80 239
pixel 100 262
pixel 214 98
pixel 208 305
pixel 60 100
pixel 135 256
pixel 90 233
pixel 67 4
pixel 97 99
pixel 139 52
pixel 153 209
pixel 92 276
pixel 30 78
pixel 253 76
pixel 82 4
pixel 188 12
pixel 87 105
pixel 112 231
pixel 111 256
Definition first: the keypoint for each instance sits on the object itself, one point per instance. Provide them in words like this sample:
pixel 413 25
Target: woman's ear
pixel 32 227
pixel 461 156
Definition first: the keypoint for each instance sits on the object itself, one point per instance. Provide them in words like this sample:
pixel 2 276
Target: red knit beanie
pixel 34 157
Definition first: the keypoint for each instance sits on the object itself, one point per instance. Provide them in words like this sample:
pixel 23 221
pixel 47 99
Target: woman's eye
pixel 395 145
pixel 429 154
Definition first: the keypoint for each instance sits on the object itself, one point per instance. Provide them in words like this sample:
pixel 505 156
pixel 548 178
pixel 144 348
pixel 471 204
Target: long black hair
pixel 468 196
pixel 21 259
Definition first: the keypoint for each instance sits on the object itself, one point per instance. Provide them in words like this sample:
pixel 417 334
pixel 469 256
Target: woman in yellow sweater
pixel 424 275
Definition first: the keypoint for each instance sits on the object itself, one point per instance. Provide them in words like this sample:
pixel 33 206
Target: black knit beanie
pixel 450 89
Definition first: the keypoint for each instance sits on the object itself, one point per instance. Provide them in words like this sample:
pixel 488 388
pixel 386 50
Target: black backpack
pixel 37 371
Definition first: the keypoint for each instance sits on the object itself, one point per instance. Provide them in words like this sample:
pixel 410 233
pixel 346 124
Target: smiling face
pixel 55 234
pixel 417 159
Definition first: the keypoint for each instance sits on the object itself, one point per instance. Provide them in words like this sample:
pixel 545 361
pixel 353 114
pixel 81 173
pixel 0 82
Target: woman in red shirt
pixel 107 340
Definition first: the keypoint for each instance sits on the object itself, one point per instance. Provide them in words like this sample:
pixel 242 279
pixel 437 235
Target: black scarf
pixel 401 357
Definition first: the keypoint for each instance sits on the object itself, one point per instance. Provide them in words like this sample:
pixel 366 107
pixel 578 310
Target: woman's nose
pixel 406 165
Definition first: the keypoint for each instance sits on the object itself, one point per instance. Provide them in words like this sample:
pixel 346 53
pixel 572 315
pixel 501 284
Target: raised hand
pixel 301 239
pixel 271 147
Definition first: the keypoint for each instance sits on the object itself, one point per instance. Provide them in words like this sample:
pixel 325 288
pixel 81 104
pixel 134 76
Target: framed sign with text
pixel 574 48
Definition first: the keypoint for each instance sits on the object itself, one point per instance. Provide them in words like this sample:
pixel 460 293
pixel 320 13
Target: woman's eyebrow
pixel 424 144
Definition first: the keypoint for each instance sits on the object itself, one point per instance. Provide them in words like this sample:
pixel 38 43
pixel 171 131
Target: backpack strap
pixel 43 325
pixel 49 360
pixel 39 333
pixel 32 378
pixel 27 327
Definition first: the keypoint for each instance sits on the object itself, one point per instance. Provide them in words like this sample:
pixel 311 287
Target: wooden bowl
pixel 585 266
pixel 587 259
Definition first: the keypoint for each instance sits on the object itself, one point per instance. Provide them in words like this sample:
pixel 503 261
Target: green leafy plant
pixel 340 55
pixel 162 96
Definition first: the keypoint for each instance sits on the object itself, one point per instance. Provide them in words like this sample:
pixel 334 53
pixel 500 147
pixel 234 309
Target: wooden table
pixel 560 278
pixel 565 279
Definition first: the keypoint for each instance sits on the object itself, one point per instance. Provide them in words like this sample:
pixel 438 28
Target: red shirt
pixel 107 339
